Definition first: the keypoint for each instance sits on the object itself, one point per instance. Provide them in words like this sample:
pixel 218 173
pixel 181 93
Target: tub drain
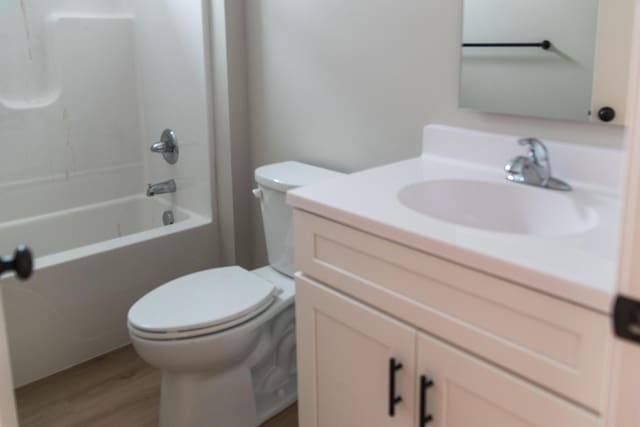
pixel 168 218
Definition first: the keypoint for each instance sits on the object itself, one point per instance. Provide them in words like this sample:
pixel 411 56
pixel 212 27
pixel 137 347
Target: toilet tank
pixel 274 181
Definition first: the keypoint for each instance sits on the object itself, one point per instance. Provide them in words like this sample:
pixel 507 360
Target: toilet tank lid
pixel 287 175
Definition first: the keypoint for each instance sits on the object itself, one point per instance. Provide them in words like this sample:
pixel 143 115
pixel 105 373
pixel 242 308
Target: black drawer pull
pixel 425 384
pixel 393 399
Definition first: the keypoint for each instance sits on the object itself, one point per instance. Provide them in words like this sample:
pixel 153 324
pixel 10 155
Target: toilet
pixel 224 338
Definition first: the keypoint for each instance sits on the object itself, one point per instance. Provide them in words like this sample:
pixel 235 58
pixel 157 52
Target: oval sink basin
pixel 505 208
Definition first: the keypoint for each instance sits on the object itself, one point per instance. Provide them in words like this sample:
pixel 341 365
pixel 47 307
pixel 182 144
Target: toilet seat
pixel 202 303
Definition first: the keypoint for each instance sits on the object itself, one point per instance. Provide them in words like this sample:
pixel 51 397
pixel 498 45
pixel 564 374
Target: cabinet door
pixel 468 392
pixel 345 376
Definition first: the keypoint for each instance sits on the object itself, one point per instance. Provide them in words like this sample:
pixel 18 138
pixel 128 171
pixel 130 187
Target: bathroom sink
pixel 497 207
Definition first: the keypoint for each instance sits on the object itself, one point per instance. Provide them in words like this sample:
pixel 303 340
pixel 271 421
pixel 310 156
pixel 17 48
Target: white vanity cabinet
pixel 497 353
pixel 349 359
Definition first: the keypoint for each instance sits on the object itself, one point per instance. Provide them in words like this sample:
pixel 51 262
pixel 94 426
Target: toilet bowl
pixel 224 338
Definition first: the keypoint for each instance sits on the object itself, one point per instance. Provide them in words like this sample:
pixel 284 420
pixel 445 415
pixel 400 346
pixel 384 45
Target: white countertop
pixel 580 268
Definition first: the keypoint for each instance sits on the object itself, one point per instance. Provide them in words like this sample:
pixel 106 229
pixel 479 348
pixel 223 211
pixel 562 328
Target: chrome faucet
pixel 161 188
pixel 534 168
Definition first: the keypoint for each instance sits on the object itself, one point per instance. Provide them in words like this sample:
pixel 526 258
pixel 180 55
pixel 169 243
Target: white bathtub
pixel 92 263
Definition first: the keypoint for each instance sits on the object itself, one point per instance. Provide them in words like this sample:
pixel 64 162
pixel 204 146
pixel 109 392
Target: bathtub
pixel 92 263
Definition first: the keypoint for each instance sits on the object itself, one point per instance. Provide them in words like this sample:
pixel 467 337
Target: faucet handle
pixel 167 146
pixel 537 149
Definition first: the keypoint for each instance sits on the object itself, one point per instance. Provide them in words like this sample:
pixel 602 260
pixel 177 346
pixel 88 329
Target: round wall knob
pixel 607 114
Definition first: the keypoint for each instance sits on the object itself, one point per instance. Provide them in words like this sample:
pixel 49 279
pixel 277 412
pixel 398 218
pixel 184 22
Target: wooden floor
pixel 115 390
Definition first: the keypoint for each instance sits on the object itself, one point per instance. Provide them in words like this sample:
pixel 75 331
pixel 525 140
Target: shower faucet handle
pixel 168 146
pixel 21 262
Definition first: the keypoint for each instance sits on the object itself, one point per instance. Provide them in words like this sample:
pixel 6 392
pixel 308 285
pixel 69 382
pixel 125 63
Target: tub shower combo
pixel 83 95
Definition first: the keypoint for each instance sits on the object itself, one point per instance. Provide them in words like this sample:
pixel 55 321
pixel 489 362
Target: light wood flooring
pixel 114 390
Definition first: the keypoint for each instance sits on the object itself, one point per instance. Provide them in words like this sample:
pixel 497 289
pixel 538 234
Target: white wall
pixel 231 122
pixel 552 83
pixel 350 84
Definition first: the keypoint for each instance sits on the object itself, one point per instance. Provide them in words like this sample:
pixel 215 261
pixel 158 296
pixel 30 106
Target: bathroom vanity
pixel 432 292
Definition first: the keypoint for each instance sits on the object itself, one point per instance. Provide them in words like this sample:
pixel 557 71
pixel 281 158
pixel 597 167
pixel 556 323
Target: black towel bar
pixel 544 44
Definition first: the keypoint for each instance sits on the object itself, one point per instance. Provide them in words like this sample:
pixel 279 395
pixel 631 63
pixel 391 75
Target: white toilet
pixel 225 338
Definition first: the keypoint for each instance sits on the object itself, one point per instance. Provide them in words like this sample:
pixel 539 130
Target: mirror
pixel 559 59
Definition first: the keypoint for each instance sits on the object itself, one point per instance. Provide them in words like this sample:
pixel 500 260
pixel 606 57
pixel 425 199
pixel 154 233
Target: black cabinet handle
pixel 394 367
pixel 21 262
pixel 425 384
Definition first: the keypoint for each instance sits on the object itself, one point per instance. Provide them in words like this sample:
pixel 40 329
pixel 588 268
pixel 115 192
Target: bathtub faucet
pixel 161 188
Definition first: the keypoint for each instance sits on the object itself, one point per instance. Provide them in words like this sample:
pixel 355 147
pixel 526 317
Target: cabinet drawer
pixel 553 343
pixel 467 392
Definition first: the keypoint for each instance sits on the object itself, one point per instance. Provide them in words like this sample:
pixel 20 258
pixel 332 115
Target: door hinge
pixel 626 319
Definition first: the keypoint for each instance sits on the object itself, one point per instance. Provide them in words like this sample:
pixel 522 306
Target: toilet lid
pixel 208 301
